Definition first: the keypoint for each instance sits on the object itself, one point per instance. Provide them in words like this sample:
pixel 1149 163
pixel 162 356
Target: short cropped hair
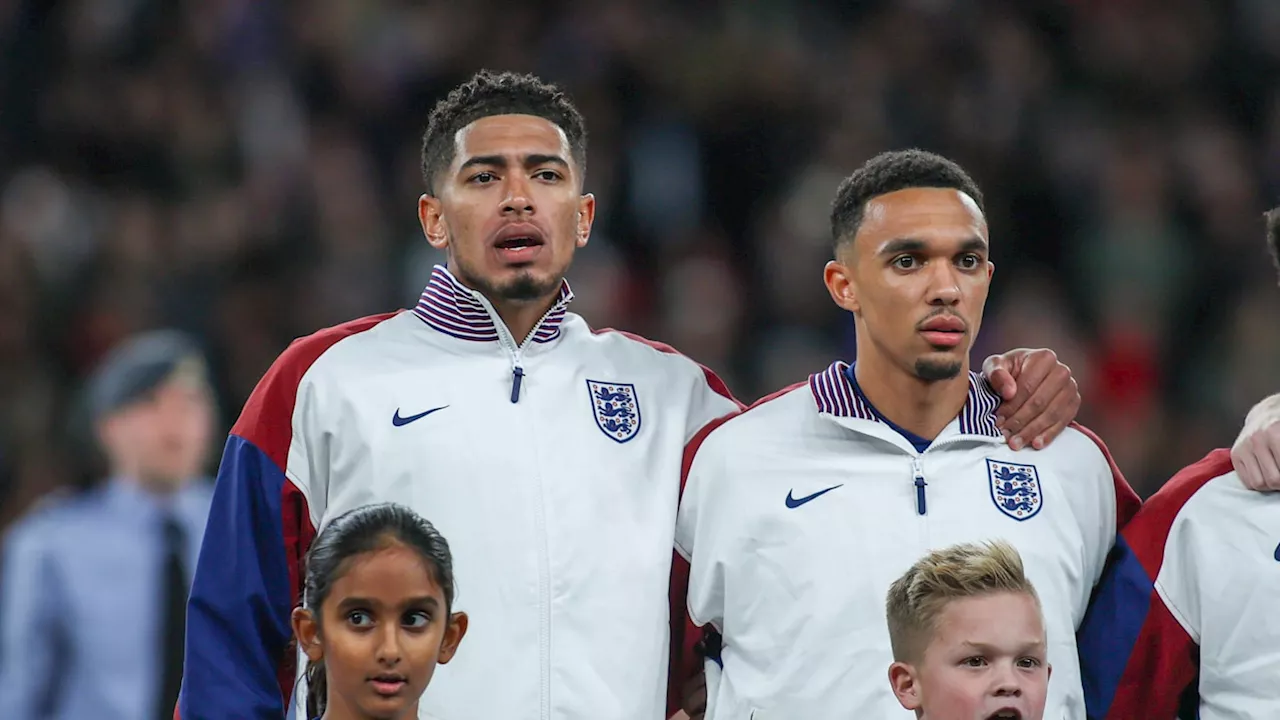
pixel 916 600
pixel 890 172
pixel 486 94
pixel 1272 218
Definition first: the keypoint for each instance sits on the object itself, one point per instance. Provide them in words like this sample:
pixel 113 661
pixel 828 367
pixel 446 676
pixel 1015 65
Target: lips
pixel 518 235
pixel 518 244
pixel 388 684
pixel 943 323
pixel 943 331
pixel 1006 713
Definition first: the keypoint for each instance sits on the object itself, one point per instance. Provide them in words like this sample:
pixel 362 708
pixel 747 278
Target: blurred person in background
pixel 1184 622
pixel 94 590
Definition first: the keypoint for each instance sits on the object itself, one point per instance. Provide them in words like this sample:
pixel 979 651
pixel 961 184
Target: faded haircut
pixel 917 599
pixel 890 172
pixel 490 93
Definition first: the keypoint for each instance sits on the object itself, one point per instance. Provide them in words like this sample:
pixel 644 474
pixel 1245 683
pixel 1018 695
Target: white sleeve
pixel 1103 535
pixel 1091 490
pixel 700 537
pixel 309 448
pixel 711 401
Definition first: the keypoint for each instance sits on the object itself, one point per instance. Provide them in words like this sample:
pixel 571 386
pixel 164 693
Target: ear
pixel 991 270
pixel 840 283
pixel 113 435
pixel 307 631
pixel 107 431
pixel 431 217
pixel 905 684
pixel 452 637
pixel 586 216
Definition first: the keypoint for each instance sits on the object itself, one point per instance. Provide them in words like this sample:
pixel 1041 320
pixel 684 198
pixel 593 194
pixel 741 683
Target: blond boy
pixel 968 636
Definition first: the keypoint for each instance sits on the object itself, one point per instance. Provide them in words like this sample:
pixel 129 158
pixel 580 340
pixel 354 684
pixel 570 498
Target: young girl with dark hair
pixel 376 615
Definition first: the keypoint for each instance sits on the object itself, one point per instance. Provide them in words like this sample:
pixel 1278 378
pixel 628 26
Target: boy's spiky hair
pixel 488 93
pixel 916 600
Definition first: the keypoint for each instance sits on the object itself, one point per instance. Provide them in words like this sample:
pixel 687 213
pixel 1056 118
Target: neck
pixel 521 317
pixel 920 406
pixel 162 487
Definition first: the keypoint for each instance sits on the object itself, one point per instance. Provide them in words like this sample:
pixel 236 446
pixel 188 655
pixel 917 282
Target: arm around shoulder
pixel 1256 452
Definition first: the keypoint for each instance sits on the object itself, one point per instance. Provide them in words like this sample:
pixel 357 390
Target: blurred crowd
pixel 247 170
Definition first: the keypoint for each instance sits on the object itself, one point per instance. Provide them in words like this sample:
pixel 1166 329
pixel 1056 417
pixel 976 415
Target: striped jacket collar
pixel 835 395
pixel 456 310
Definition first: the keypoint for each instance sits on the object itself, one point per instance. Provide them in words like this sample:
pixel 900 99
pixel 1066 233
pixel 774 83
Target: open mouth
pixel 1005 714
pixel 519 244
pixel 516 243
pixel 388 683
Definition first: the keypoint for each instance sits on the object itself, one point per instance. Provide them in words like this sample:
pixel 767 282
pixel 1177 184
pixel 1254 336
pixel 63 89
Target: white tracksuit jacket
pixel 1190 604
pixel 799 513
pixel 552 467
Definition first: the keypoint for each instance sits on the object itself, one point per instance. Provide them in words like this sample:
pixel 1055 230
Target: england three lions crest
pixel 616 408
pixel 1015 489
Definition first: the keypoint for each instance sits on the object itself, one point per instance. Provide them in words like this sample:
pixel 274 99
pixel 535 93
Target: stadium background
pixel 248 171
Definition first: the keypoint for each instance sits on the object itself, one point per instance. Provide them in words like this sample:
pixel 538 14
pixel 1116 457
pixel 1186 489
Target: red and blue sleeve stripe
pixel 239 657
pixel 1136 659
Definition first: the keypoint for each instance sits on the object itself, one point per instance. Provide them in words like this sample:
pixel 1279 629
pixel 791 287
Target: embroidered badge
pixel 616 408
pixel 1015 488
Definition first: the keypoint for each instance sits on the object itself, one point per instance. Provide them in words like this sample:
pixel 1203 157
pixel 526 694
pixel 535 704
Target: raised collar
pixel 835 395
pixel 456 310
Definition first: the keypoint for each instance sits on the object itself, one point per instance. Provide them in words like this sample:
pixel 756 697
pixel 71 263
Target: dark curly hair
pixel 889 172
pixel 1272 218
pixel 489 93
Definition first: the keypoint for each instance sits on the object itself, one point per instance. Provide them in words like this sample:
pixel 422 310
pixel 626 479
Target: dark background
pixel 248 170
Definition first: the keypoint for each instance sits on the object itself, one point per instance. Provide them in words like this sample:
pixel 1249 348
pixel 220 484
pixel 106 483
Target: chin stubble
pixel 935 371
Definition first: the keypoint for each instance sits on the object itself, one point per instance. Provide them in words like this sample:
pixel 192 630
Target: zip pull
pixel 920 485
pixel 517 375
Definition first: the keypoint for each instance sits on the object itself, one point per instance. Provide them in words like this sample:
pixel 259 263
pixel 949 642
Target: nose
pixel 944 285
pixel 389 652
pixel 517 200
pixel 1006 682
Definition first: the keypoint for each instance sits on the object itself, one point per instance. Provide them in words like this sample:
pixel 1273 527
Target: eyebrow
pixel 352 602
pixel 898 246
pixel 983 647
pixel 500 161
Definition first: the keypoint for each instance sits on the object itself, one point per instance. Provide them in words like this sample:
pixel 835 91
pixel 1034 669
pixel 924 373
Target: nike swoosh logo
pixel 402 421
pixel 793 502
